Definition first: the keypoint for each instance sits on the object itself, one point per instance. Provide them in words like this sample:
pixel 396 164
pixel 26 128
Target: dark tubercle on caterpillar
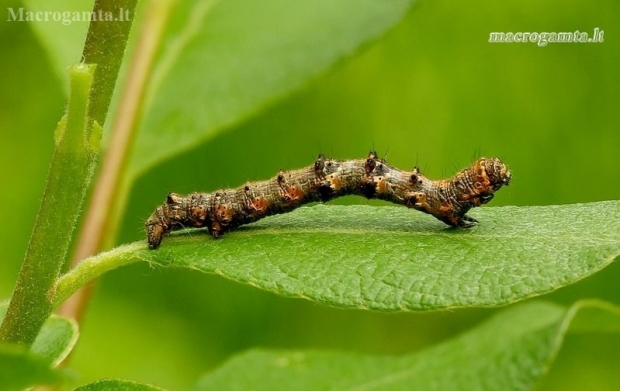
pixel 448 200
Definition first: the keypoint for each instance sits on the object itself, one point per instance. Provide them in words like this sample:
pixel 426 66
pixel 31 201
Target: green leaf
pixel 224 61
pixel 20 368
pixel 56 338
pixel 120 385
pixel 391 258
pixel 510 351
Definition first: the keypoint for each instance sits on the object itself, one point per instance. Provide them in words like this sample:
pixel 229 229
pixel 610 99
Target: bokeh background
pixel 432 92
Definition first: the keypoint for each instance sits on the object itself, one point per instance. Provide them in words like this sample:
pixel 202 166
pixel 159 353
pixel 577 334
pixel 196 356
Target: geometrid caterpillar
pixel 448 200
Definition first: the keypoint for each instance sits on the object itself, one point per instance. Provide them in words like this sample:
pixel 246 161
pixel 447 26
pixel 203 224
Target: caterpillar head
pixel 497 172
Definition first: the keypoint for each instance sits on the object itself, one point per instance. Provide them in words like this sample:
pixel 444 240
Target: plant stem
pixel 105 46
pixel 93 267
pixel 111 189
pixel 70 172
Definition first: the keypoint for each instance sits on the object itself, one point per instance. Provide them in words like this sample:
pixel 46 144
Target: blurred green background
pixel 433 92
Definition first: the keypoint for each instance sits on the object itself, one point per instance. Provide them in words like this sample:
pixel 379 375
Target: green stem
pixel 93 267
pixel 108 200
pixel 70 173
pixel 105 46
pixel 71 169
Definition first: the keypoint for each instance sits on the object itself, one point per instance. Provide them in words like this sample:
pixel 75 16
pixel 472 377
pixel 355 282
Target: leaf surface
pixel 55 340
pixel 393 258
pixel 510 351
pixel 20 368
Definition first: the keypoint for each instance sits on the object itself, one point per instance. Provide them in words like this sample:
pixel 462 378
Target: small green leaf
pixel 393 258
pixel 226 60
pixel 56 338
pixel 19 368
pixel 510 351
pixel 120 385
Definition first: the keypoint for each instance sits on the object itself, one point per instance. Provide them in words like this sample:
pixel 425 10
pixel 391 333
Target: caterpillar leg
pixel 467 222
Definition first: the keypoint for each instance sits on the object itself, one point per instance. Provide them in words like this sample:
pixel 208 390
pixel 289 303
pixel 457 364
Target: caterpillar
pixel 448 200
